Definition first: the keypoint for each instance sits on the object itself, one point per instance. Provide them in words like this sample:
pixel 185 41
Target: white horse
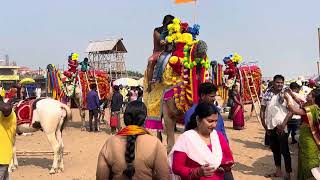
pixel 51 115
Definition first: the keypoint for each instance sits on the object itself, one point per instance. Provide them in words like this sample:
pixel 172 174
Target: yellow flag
pixel 183 1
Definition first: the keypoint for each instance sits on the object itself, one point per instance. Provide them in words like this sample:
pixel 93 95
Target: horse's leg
pixel 169 125
pixel 55 146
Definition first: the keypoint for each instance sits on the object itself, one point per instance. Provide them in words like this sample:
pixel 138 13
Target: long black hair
pixel 202 110
pixel 316 95
pixel 135 114
pixel 167 19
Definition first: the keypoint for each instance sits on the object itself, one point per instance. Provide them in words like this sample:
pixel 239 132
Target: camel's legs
pixel 83 119
pixel 60 152
pixel 169 125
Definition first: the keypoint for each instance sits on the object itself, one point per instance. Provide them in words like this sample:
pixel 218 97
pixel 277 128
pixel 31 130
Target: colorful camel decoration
pixel 183 70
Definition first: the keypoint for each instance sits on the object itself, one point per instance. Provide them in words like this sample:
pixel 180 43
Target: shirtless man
pixel 158 47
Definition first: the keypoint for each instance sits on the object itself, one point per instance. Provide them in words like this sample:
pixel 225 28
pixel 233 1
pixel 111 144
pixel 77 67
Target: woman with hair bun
pixel 133 153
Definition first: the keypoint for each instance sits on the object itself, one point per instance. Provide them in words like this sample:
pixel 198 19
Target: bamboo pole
pixel 195 12
pixel 21 153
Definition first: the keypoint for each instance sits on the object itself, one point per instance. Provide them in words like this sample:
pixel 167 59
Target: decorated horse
pixel 44 114
pixel 183 70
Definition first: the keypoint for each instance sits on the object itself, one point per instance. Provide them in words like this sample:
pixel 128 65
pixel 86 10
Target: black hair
pixel 140 93
pixel 93 86
pixel 116 88
pixel 316 94
pixel 135 114
pixel 270 84
pixel 294 85
pixel 85 59
pixel 202 110
pixel 167 20
pixel 207 88
pixel 278 76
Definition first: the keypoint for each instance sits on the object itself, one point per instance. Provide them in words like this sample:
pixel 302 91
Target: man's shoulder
pixel 118 94
pixel 193 107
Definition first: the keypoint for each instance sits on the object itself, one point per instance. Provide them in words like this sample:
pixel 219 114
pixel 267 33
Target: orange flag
pixel 183 1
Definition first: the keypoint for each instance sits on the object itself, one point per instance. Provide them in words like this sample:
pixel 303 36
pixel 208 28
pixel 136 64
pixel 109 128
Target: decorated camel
pixel 73 84
pixel 44 114
pixel 64 88
pixel 235 71
pixel 248 75
pixel 182 71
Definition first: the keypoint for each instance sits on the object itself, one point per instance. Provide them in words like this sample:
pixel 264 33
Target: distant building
pixel 108 55
pixel 9 75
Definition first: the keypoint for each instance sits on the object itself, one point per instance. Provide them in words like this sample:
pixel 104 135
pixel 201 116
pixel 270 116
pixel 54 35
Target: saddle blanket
pixel 24 111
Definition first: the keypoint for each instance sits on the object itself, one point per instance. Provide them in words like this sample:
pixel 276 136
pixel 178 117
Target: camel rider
pixel 85 65
pixel 8 126
pixel 158 46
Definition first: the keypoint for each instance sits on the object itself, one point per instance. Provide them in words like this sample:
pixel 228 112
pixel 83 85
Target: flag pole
pixel 195 11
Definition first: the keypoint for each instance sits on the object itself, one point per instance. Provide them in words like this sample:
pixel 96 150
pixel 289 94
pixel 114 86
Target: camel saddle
pixel 24 111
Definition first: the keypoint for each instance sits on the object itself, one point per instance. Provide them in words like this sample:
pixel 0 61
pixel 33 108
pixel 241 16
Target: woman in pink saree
pixel 237 110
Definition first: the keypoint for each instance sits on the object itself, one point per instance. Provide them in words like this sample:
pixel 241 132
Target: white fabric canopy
pixel 126 82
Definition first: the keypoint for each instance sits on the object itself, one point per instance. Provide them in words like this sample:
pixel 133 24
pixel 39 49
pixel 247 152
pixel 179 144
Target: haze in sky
pixel 280 34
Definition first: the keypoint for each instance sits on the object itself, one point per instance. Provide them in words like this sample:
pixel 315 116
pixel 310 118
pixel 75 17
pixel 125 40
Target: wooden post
pixel 318 64
pixel 195 11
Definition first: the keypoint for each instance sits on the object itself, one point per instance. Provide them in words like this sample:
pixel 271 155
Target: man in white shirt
pixel 38 92
pixel 273 117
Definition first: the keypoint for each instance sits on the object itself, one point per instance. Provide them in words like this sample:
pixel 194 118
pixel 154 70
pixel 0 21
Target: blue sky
pixel 280 34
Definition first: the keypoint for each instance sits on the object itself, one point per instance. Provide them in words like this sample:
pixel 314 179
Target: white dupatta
pixel 196 149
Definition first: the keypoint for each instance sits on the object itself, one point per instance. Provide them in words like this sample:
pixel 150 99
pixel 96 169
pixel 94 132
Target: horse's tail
pixel 68 114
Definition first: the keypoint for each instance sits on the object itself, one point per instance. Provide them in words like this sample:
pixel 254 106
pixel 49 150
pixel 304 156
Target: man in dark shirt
pixel 93 107
pixel 116 105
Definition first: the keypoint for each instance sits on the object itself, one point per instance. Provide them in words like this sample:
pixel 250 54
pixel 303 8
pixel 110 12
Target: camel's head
pixel 73 90
pixel 70 89
pixel 200 50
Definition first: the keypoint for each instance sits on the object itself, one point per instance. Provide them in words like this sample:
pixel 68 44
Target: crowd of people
pixel 21 91
pixel 201 152
pixel 120 97
pixel 286 110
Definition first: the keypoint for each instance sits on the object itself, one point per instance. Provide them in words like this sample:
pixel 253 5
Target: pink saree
pixel 238 114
